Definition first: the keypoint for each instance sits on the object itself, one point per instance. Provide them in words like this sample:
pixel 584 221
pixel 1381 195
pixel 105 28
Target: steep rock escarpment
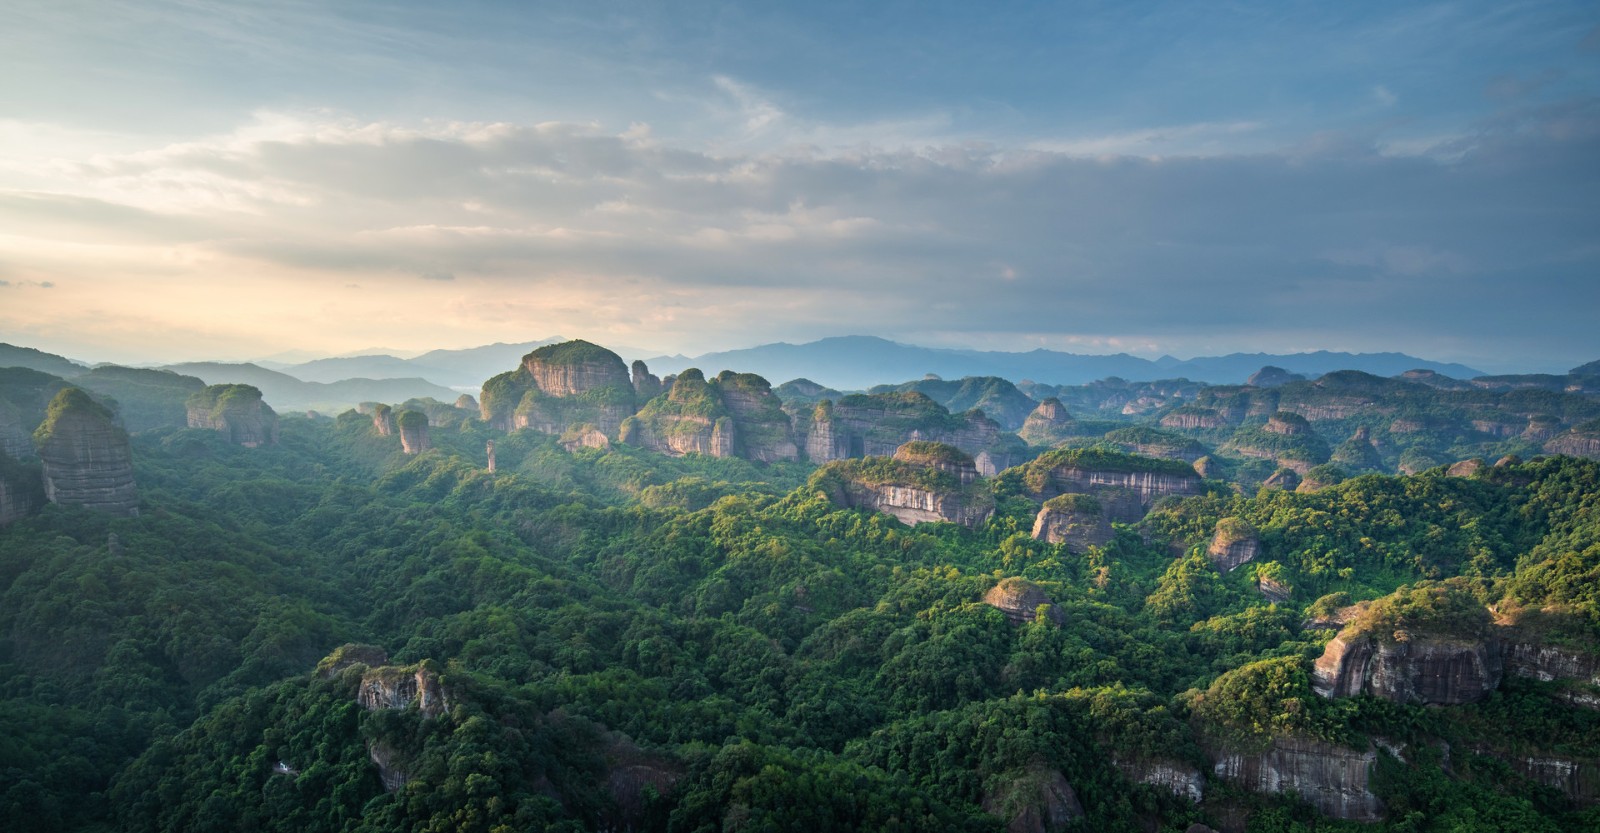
pixel 733 415
pixel 413 428
pixel 1077 520
pixel 1152 442
pixel 1234 542
pixel 558 386
pixel 1020 600
pixel 868 425
pixel 1181 779
pixel 1286 439
pixel 397 687
pixel 383 420
pixel 1105 473
pixel 86 457
pixel 1037 799
pixel 646 385
pixel 912 489
pixel 235 411
pixel 1582 441
pixel 1419 670
pixel 1048 424
pixel 1194 418
pixel 1332 778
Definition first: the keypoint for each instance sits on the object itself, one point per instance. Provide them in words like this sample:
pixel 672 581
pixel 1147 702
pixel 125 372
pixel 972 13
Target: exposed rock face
pixel 1284 478
pixel 1207 468
pixel 237 412
pixel 1077 520
pixel 1287 424
pixel 876 424
pixel 1103 474
pixel 1180 779
pixel 925 484
pixel 574 368
pixel 1037 800
pixel 390 773
pixel 733 415
pixel 383 420
pixel 489 451
pixel 1332 778
pixel 21 490
pixel 1192 417
pixel 1019 599
pixel 939 457
pixel 465 402
pixel 1466 468
pixel 584 436
pixel 1577 779
pixel 558 386
pixel 1273 590
pixel 1271 377
pixel 397 687
pixel 1527 656
pixel 87 460
pixel 1319 478
pixel 646 385
pixel 413 427
pixel 1583 441
pixel 1423 669
pixel 913 505
pixel 1233 543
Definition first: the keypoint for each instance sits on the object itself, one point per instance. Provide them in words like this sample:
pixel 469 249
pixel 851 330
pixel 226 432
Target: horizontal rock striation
pixel 1427 670
pixel 413 428
pixel 558 386
pixel 86 457
pixel 1105 474
pixel 733 415
pixel 914 492
pixel 866 425
pixel 236 412
pixel 1332 778
pixel 1181 779
pixel 398 687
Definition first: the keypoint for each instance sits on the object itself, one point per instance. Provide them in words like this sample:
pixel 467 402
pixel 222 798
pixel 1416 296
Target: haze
pixel 187 180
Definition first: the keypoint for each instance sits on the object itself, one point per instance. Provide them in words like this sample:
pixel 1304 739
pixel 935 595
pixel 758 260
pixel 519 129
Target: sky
pixel 232 180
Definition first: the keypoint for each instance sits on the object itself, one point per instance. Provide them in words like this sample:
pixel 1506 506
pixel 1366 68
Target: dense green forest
pixel 625 640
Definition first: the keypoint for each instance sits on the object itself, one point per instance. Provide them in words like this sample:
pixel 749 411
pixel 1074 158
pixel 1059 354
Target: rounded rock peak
pixel 1019 599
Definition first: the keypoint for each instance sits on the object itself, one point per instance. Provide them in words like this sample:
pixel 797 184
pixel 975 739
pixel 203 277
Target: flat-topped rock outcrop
pixel 912 491
pixel 1581 441
pixel 1429 645
pixel 1335 779
pixel 1194 418
pixel 1233 542
pixel 383 420
pixel 1096 471
pixel 866 425
pixel 733 415
pixel 1020 600
pixel 558 386
pixel 86 457
pixel 413 429
pixel 1076 520
pixel 235 411
pixel 398 687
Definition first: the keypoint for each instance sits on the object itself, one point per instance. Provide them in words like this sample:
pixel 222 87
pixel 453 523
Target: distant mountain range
pixel 845 363
pixel 859 362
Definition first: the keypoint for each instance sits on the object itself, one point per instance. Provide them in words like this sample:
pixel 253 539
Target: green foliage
pixel 68 403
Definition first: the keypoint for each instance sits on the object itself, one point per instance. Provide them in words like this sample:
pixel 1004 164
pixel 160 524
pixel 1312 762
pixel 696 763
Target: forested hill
pixel 609 638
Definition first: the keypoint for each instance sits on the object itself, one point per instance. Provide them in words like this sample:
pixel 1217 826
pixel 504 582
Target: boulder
pixel 1233 542
pixel 1020 599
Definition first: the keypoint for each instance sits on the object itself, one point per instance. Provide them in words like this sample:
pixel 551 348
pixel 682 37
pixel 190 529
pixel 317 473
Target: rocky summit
pixel 237 412
pixel 86 457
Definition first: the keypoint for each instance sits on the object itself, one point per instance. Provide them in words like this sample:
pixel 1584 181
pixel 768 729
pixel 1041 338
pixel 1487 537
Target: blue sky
pixel 1179 178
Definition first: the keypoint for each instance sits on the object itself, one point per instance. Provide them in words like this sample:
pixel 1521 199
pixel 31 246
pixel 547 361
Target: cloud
pixel 568 227
pixel 1384 96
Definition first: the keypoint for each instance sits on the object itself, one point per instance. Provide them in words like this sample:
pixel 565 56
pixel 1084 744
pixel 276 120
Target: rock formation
pixel 876 424
pixel 489 450
pixel 733 415
pixel 465 402
pixel 1181 779
pixel 1271 377
pixel 397 687
pixel 646 385
pixel 1234 542
pixel 558 386
pixel 235 411
pixel 413 428
pixel 1284 478
pixel 86 457
pixel 1359 453
pixel 1320 477
pixel 1035 800
pixel 383 420
pixel 1193 418
pixel 1077 520
pixel 926 485
pixel 1582 441
pixel 1429 645
pixel 1332 778
pixel 1099 473
pixel 1020 599
pixel 1208 468
pixel 1048 424
pixel 583 436
pixel 1466 468
pixel 25 396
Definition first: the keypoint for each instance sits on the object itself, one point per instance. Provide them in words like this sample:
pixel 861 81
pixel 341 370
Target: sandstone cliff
pixel 1582 441
pixel 1077 520
pixel 235 411
pixel 1048 424
pixel 1020 600
pixel 398 687
pixel 558 386
pixel 876 424
pixel 86 457
pixel 383 420
pixel 1194 418
pixel 911 490
pixel 1036 799
pixel 646 385
pixel 1332 778
pixel 1098 473
pixel 1234 542
pixel 1431 644
pixel 413 428
pixel 733 415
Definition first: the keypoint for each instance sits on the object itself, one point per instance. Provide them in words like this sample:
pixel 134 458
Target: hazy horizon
pixel 224 181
